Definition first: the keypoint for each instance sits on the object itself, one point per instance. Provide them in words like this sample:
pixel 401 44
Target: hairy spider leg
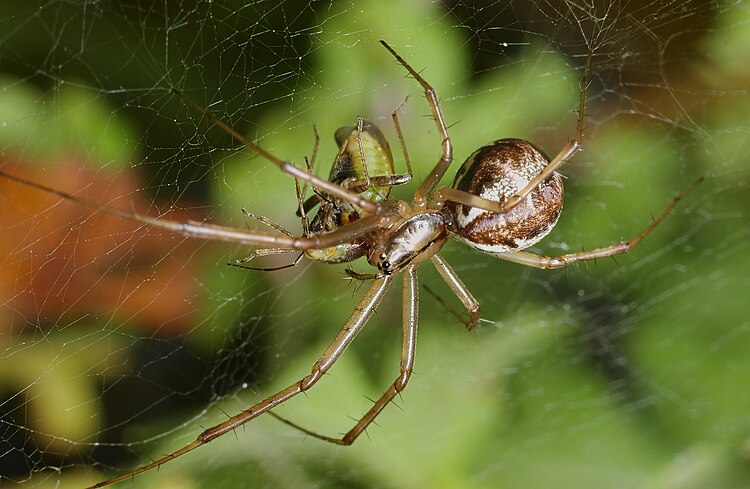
pixel 310 165
pixel 410 313
pixel 324 185
pixel 457 286
pixel 547 262
pixel 433 178
pixel 362 184
pixel 375 181
pixel 397 125
pixel 215 232
pixel 356 322
pixel 563 156
pixel 410 305
pixel 268 222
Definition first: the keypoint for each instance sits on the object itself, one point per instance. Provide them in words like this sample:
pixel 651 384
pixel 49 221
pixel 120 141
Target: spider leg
pixel 432 179
pixel 214 232
pixel 401 140
pixel 462 197
pixel 193 229
pixel 547 262
pixel 301 209
pixel 353 326
pixel 410 312
pixel 465 198
pixel 567 152
pixel 360 146
pixel 268 222
pixel 267 252
pixel 240 263
pixel 285 166
pixel 310 164
pixel 362 184
pixel 444 194
pixel 458 288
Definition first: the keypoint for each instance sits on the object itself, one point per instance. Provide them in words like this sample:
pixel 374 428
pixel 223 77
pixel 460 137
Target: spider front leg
pixel 547 262
pixel 212 232
pixel 410 313
pixel 310 165
pixel 362 313
pixel 363 165
pixel 401 140
pixel 285 166
pixel 432 178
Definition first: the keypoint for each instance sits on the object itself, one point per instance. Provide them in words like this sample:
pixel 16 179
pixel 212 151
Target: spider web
pixel 119 343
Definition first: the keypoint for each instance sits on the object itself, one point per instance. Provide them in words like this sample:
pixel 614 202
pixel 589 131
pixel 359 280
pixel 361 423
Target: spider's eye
pixel 382 256
pixel 386 265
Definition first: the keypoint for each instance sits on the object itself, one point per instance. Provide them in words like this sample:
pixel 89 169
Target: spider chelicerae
pixel 506 197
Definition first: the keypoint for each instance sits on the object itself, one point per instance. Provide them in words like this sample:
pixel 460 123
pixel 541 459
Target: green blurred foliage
pixel 73 122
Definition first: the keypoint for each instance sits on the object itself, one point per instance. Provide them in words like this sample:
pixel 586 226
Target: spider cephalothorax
pixel 412 240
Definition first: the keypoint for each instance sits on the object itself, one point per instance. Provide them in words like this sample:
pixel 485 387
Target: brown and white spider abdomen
pixel 496 172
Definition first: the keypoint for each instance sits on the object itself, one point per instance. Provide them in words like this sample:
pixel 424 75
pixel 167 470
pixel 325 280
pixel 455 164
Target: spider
pixel 506 197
